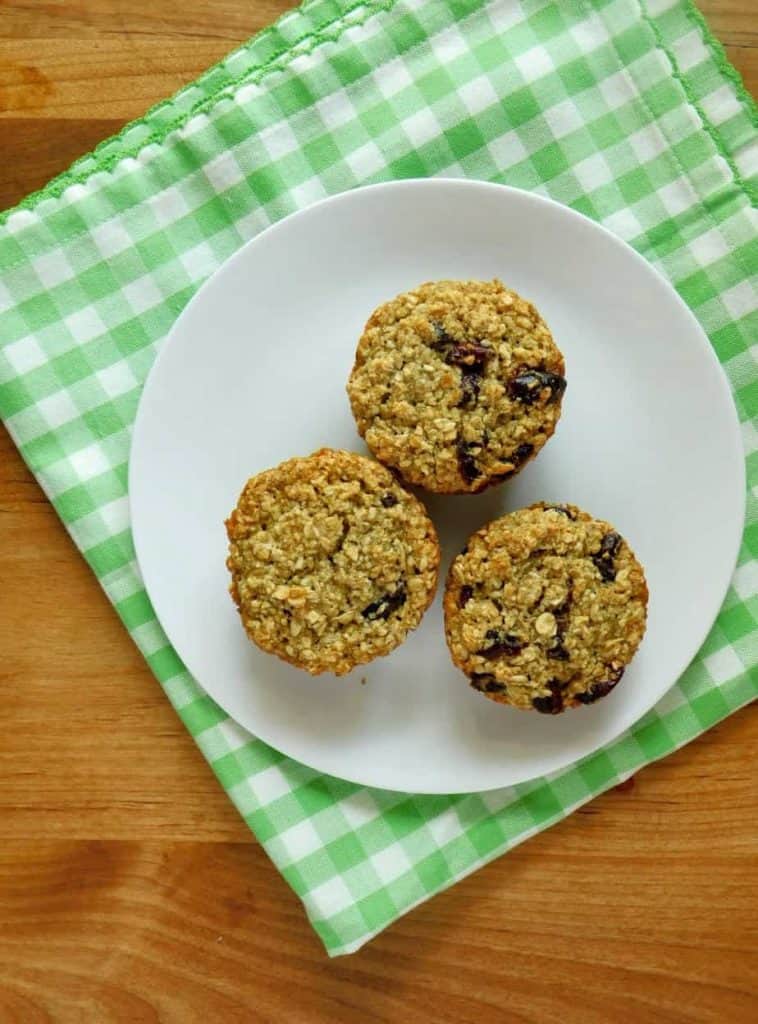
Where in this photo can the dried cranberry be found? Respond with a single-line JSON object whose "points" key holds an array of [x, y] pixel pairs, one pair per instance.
{"points": [[601, 689], [528, 386], [384, 606], [561, 612], [485, 682], [606, 570], [466, 461], [388, 500], [471, 382], [441, 338], [518, 457], [563, 509], [500, 644], [464, 595], [604, 556], [558, 652], [469, 353], [610, 544], [551, 705]]}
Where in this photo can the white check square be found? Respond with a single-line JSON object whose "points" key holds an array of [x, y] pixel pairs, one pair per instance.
{"points": [[723, 665], [168, 206], [224, 171], [89, 462], [117, 379], [741, 299], [25, 354], [745, 580], [593, 172], [366, 161], [142, 294], [85, 324], [390, 863], [328, 898], [278, 140], [478, 95], [57, 409], [52, 268], [534, 64], [563, 118]]}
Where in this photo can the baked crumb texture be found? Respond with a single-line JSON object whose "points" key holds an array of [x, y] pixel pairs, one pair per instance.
{"points": [[457, 385], [333, 562], [544, 608]]}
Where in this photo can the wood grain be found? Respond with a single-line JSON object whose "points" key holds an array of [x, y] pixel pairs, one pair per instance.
{"points": [[130, 891]]}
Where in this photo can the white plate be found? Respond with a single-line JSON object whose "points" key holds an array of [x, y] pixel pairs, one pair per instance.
{"points": [[254, 372]]}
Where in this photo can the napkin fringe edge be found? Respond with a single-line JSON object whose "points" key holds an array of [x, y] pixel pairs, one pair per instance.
{"points": [[100, 159]]}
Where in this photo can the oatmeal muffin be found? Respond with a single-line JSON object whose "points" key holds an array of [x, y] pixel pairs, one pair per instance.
{"points": [[333, 562], [456, 384], [544, 608]]}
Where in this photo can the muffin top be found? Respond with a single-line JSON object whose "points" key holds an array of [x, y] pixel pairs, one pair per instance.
{"points": [[544, 608], [456, 384], [332, 560]]}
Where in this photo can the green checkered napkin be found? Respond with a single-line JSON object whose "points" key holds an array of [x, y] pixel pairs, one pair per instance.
{"points": [[627, 112]]}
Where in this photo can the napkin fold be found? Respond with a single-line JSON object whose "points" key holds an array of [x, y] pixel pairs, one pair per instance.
{"points": [[626, 111]]}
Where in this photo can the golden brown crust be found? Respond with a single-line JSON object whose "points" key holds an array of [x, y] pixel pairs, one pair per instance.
{"points": [[545, 608], [333, 562], [456, 384]]}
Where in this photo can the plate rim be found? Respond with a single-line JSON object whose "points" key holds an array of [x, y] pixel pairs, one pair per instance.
{"points": [[736, 527]]}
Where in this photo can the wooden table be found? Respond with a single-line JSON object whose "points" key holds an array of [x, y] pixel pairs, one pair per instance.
{"points": [[130, 891]]}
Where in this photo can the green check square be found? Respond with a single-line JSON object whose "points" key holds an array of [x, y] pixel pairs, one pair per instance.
{"points": [[737, 622], [350, 65], [346, 852], [653, 739], [631, 44], [550, 161], [490, 53], [634, 185], [607, 131], [405, 32], [541, 803], [433, 871], [697, 289], [486, 836], [576, 76], [292, 95], [710, 708], [404, 818], [377, 909], [165, 664], [136, 610], [75, 504], [38, 312], [266, 183], [409, 166], [598, 771], [464, 139], [155, 250], [520, 107], [547, 23], [435, 85], [213, 216], [321, 153]]}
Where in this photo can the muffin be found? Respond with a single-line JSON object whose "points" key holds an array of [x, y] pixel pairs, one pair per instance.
{"points": [[544, 608], [333, 562], [456, 385]]}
